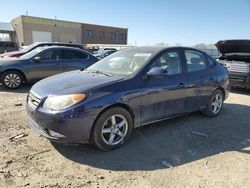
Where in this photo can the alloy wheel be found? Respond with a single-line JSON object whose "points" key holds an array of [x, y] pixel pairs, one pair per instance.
{"points": [[12, 80], [217, 103], [114, 129]]}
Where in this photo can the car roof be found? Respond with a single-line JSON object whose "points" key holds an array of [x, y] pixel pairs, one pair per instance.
{"points": [[156, 49], [57, 43], [60, 47]]}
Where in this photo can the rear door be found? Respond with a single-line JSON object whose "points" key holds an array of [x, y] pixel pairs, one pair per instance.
{"points": [[200, 79], [75, 59], [48, 65]]}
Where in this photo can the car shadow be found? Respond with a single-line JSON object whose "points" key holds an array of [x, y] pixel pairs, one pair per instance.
{"points": [[24, 89], [177, 141]]}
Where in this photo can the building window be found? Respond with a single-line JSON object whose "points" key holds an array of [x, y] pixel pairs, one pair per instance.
{"points": [[122, 36], [88, 33], [102, 34], [112, 35]]}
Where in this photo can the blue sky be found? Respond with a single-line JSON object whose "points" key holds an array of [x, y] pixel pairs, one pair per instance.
{"points": [[186, 22]]}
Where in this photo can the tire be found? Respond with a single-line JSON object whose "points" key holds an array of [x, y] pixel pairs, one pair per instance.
{"points": [[215, 104], [112, 128], [12, 79]]}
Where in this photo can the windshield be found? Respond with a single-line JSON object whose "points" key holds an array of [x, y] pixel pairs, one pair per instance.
{"points": [[123, 63], [32, 53], [28, 48]]}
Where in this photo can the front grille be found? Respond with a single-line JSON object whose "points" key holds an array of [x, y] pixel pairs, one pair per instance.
{"points": [[33, 101], [238, 78], [238, 67]]}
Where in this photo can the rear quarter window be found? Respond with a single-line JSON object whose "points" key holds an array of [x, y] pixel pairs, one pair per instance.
{"points": [[211, 62], [72, 54]]}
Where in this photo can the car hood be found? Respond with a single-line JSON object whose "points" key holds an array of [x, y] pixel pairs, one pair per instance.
{"points": [[10, 61], [71, 82], [233, 46], [9, 54]]}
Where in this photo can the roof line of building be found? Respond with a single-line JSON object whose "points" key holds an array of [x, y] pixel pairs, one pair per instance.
{"points": [[71, 22]]}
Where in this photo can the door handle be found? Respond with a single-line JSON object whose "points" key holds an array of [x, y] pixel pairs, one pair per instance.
{"points": [[212, 79], [181, 85]]}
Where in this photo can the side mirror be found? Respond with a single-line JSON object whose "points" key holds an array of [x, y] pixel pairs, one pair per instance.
{"points": [[156, 72], [37, 59]]}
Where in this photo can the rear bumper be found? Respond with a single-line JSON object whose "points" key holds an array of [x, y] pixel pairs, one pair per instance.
{"points": [[240, 80]]}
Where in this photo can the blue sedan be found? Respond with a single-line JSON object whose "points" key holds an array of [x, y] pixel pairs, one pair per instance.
{"points": [[41, 63], [126, 90]]}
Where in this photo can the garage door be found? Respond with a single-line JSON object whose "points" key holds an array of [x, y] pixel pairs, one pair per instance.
{"points": [[41, 36]]}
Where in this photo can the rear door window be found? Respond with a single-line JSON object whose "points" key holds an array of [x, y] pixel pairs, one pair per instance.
{"points": [[73, 54], [195, 61]]}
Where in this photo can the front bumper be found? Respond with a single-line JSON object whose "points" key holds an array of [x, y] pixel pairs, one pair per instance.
{"points": [[240, 80], [71, 126]]}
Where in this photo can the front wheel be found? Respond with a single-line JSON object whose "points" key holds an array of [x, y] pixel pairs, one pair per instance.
{"points": [[215, 104], [112, 128], [12, 79]]}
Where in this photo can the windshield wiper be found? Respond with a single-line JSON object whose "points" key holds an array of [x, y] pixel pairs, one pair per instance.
{"points": [[99, 72]]}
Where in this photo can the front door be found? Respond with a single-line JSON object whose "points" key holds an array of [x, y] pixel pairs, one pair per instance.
{"points": [[164, 96], [49, 64]]}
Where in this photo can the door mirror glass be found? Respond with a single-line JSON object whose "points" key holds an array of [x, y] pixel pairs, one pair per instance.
{"points": [[37, 59], [157, 71]]}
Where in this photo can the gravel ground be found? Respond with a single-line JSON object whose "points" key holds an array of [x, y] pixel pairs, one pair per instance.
{"points": [[166, 154]]}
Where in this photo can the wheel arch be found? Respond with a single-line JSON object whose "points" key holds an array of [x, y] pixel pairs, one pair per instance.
{"points": [[222, 90], [121, 105], [17, 70]]}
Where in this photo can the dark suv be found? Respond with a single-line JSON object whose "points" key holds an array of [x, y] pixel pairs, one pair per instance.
{"points": [[41, 63], [7, 46]]}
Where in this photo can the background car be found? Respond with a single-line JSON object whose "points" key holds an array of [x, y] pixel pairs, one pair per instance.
{"points": [[37, 45], [41, 63], [235, 55], [7, 46], [103, 53], [128, 89]]}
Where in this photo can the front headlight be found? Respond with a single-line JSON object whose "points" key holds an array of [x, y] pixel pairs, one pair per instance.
{"points": [[62, 102]]}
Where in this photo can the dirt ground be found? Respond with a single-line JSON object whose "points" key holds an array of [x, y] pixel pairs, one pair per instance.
{"points": [[166, 154]]}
